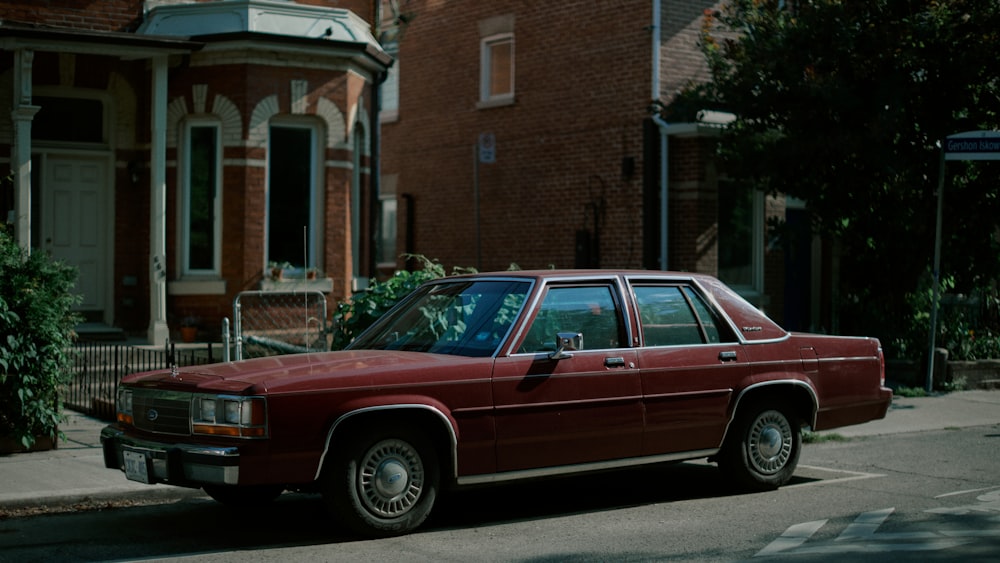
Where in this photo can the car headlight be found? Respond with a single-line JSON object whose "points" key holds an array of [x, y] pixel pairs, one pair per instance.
{"points": [[226, 415], [123, 408]]}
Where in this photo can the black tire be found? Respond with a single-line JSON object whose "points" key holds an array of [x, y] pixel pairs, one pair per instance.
{"points": [[383, 482], [762, 448], [253, 496]]}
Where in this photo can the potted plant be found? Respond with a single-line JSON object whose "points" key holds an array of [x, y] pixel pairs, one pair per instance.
{"points": [[312, 273], [189, 328], [275, 270]]}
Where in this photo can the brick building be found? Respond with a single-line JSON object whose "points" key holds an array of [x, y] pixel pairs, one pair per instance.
{"points": [[172, 149], [524, 132]]}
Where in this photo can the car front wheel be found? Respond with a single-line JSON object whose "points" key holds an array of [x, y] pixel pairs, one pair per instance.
{"points": [[761, 449], [383, 483]]}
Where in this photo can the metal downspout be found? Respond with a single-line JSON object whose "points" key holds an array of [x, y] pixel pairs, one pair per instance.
{"points": [[664, 139]]}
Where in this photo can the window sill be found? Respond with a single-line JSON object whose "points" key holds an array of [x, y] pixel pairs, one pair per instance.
{"points": [[388, 116], [322, 285], [196, 287], [499, 101]]}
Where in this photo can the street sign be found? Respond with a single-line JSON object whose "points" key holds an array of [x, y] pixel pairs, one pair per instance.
{"points": [[973, 145], [487, 148]]}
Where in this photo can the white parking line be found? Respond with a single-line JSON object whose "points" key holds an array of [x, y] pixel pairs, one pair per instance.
{"points": [[851, 476]]}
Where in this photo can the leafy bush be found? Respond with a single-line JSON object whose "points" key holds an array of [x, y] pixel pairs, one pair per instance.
{"points": [[965, 334], [36, 336], [360, 311]]}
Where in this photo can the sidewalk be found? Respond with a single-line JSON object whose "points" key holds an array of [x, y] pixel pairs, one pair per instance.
{"points": [[75, 473]]}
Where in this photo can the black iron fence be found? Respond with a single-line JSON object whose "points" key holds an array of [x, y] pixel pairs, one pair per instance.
{"points": [[99, 366]]}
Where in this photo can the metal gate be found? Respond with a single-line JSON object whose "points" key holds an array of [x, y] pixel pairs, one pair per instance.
{"points": [[271, 323]]}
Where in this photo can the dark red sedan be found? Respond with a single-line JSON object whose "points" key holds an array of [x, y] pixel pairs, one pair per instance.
{"points": [[495, 377]]}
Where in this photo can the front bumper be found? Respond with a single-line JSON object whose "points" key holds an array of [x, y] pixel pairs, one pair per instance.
{"points": [[189, 465]]}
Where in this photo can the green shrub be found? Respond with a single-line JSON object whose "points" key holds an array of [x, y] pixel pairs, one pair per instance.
{"points": [[36, 336], [360, 311], [965, 335]]}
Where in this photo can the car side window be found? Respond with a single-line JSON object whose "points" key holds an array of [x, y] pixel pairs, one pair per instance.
{"points": [[712, 333], [674, 316], [590, 311]]}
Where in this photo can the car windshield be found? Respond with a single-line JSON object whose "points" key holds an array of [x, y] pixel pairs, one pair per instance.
{"points": [[461, 318]]}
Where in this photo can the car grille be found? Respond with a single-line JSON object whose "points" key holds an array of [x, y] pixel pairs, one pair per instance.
{"points": [[165, 412]]}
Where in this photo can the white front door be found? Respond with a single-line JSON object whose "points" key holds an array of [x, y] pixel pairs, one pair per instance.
{"points": [[74, 226]]}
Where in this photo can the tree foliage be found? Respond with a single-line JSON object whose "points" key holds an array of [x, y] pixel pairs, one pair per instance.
{"points": [[843, 105]]}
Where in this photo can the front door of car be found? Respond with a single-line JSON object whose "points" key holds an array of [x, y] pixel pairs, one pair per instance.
{"points": [[689, 362], [580, 408]]}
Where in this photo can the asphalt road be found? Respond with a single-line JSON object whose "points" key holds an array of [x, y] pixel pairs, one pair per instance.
{"points": [[929, 496]]}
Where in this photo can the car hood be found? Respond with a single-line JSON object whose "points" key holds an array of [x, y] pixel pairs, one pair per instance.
{"points": [[300, 371]]}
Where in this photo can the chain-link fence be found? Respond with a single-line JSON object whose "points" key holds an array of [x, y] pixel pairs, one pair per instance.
{"points": [[270, 323]]}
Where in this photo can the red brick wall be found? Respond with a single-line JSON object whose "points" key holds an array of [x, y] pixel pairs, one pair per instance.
{"points": [[582, 90], [582, 86]]}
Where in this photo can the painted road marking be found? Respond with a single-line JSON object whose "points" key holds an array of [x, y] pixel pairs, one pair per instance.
{"points": [[862, 536]]}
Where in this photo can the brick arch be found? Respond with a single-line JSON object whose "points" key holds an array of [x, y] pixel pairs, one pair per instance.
{"points": [[176, 110], [232, 125], [259, 119], [359, 116], [222, 107], [336, 126]]}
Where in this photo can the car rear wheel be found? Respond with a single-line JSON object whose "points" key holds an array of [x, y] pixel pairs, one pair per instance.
{"points": [[244, 497], [383, 483], [762, 448]]}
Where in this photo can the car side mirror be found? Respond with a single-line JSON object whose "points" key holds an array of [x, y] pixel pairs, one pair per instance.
{"points": [[566, 341]]}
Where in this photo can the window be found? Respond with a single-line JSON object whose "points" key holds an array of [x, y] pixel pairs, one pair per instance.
{"points": [[201, 203], [72, 120], [497, 78], [292, 222], [387, 231], [674, 316], [741, 216], [589, 311], [458, 318]]}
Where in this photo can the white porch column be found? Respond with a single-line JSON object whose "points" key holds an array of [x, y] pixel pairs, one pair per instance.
{"points": [[158, 330], [20, 152]]}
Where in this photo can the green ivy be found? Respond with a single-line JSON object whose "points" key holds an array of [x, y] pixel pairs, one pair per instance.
{"points": [[360, 311], [36, 336]]}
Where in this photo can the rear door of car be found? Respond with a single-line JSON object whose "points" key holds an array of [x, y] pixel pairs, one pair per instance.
{"points": [[583, 408], [689, 363]]}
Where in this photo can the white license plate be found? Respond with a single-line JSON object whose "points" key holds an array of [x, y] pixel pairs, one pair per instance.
{"points": [[136, 466]]}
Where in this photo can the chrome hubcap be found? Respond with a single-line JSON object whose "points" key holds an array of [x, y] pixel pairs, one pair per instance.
{"points": [[769, 443], [391, 478]]}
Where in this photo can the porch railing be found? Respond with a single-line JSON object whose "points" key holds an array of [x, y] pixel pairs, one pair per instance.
{"points": [[267, 323], [99, 366]]}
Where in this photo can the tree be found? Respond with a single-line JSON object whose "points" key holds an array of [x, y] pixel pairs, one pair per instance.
{"points": [[843, 104]]}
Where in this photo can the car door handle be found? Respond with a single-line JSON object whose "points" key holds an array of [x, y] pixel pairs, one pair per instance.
{"points": [[614, 362], [727, 356]]}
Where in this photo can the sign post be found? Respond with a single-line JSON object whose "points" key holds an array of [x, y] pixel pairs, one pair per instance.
{"points": [[971, 145], [485, 152]]}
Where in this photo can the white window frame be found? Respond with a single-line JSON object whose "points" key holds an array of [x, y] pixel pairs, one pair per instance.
{"points": [[487, 44], [316, 201], [185, 203]]}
